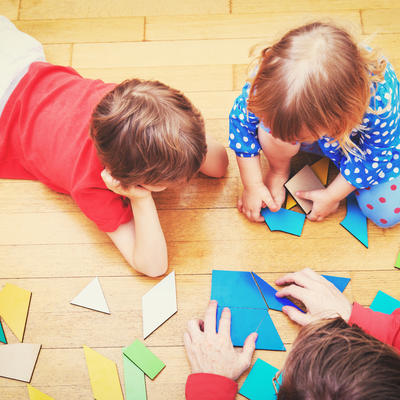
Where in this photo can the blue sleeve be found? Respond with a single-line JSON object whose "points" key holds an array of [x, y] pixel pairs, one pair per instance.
{"points": [[243, 126], [378, 138]]}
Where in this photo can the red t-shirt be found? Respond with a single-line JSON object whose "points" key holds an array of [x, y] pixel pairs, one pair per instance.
{"points": [[45, 136]]}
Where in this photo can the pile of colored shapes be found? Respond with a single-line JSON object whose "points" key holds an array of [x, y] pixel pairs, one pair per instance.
{"points": [[284, 220]]}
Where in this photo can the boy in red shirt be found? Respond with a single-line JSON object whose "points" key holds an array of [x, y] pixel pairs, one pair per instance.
{"points": [[100, 143]]}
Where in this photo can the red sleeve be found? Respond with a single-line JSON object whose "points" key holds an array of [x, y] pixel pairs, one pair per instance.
{"points": [[384, 327], [210, 387]]}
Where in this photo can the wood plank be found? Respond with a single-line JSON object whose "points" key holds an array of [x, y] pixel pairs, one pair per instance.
{"points": [[186, 78], [259, 6], [9, 8], [47, 9], [59, 54], [380, 21], [85, 30], [150, 54], [269, 26]]}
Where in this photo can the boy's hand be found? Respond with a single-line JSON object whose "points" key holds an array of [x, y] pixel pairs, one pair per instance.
{"points": [[255, 197], [132, 192], [321, 298], [213, 353], [323, 203]]}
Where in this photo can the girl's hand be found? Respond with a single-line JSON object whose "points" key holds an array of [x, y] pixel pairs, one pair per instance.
{"points": [[323, 203], [254, 197], [132, 192], [321, 298]]}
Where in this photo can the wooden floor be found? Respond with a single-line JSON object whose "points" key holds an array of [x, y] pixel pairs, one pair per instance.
{"points": [[50, 248]]}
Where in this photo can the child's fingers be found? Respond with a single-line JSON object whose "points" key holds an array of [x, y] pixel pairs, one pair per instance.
{"points": [[306, 195], [297, 316]]}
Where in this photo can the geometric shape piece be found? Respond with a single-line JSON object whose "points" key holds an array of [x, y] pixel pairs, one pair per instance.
{"points": [[247, 320], [284, 220], [321, 169], [290, 202], [384, 303], [397, 265], [135, 385], [159, 304], [355, 221], [35, 394], [92, 297], [273, 302], [143, 358], [14, 306], [235, 289], [305, 180], [17, 361], [338, 281], [103, 375], [2, 335], [258, 384]]}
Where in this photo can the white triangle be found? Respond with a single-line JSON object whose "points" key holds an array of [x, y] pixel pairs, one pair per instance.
{"points": [[158, 304], [92, 297], [17, 361]]}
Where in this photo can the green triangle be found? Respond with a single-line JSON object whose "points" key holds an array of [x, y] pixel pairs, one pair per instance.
{"points": [[397, 265], [2, 335]]}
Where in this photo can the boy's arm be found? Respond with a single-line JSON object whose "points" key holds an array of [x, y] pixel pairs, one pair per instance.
{"points": [[141, 241], [216, 160]]}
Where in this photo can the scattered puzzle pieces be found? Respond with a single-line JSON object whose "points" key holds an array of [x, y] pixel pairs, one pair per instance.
{"points": [[35, 394], [321, 169], [159, 304], [258, 384], [135, 385], [14, 306], [355, 221], [17, 361], [290, 202], [92, 297], [103, 375], [284, 220], [397, 265], [384, 303], [304, 180], [2, 335], [143, 358], [340, 282]]}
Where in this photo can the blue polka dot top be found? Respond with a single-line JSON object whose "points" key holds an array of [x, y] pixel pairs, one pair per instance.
{"points": [[377, 138]]}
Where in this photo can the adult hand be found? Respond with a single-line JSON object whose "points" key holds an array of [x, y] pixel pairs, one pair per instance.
{"points": [[255, 197], [132, 192], [323, 204], [321, 298], [213, 353]]}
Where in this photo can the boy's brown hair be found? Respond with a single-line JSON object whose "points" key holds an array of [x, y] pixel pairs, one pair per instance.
{"points": [[331, 360], [148, 133], [315, 79]]}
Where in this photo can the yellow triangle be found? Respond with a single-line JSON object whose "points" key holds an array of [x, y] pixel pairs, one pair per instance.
{"points": [[14, 306], [321, 168], [103, 375], [290, 202], [35, 394]]}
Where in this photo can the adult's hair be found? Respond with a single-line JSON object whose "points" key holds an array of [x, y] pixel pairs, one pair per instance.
{"points": [[331, 360], [317, 80], [148, 133]]}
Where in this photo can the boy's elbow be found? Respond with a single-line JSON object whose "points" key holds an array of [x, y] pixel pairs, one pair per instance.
{"points": [[150, 268]]}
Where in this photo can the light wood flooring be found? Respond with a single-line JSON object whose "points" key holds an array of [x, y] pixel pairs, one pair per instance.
{"points": [[50, 248]]}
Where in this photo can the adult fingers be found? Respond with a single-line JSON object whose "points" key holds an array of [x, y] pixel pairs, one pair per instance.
{"points": [[300, 278], [295, 291], [189, 351], [224, 328], [193, 328], [248, 348], [297, 316], [210, 318]]}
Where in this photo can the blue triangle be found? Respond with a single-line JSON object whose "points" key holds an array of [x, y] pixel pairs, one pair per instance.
{"points": [[235, 289], [384, 303], [273, 302], [338, 281], [2, 335], [247, 320]]}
